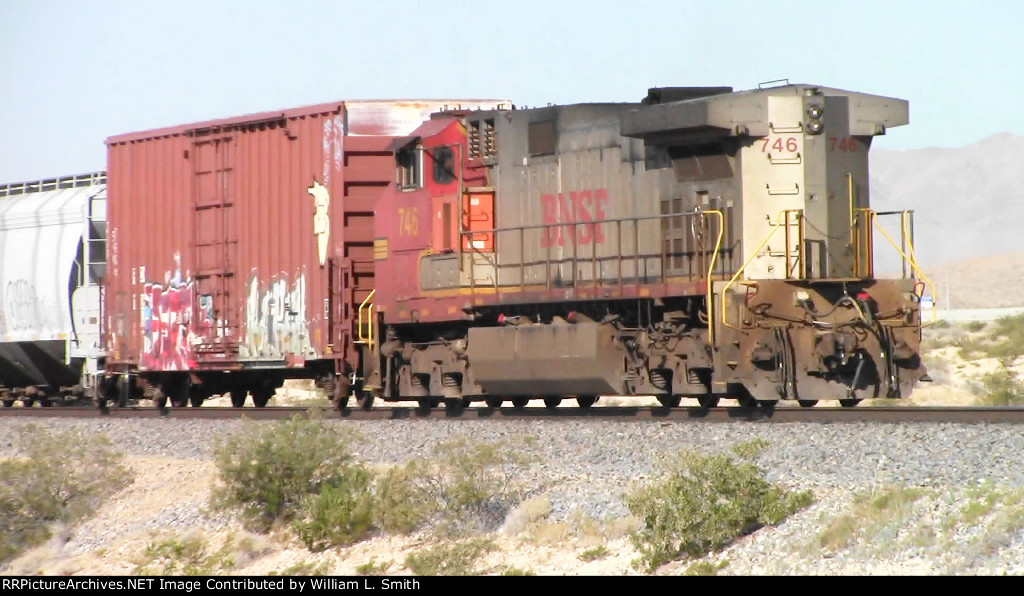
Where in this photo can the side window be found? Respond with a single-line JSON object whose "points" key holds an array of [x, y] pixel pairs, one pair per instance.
{"points": [[408, 167], [444, 165]]}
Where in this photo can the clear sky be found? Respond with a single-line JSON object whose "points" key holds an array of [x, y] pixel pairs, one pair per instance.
{"points": [[73, 72]]}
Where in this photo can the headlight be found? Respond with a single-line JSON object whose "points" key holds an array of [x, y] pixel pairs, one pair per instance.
{"points": [[815, 111], [815, 127]]}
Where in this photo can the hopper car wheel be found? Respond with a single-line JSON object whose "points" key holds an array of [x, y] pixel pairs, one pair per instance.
{"points": [[766, 404], [669, 401], [708, 401], [494, 402], [45, 401], [260, 397], [160, 401], [454, 405], [807, 403], [520, 402], [195, 400], [26, 402], [341, 402], [552, 402], [586, 401], [366, 400], [849, 403], [428, 403], [238, 397], [8, 402]]}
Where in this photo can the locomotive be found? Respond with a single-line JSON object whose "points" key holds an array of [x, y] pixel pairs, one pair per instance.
{"points": [[701, 243]]}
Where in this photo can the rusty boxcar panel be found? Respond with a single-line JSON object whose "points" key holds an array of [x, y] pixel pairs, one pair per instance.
{"points": [[248, 241]]}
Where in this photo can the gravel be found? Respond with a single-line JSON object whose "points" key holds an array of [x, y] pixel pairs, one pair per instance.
{"points": [[585, 468]]}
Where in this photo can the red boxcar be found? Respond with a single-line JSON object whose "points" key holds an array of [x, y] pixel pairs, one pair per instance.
{"points": [[240, 249]]}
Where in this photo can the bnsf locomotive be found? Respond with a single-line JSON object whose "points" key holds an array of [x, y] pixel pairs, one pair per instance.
{"points": [[701, 243]]}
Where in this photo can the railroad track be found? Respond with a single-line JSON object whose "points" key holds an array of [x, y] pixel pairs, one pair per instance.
{"points": [[960, 415]]}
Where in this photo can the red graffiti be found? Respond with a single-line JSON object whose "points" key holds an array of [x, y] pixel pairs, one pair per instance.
{"points": [[166, 315], [577, 209]]}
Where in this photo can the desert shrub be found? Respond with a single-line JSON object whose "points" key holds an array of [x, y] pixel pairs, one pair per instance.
{"points": [[463, 487], [400, 504], [975, 326], [998, 388], [456, 558], [304, 569], [275, 471], [873, 511], [701, 503], [592, 554], [1004, 341], [705, 568], [189, 555], [63, 477], [372, 567], [340, 514]]}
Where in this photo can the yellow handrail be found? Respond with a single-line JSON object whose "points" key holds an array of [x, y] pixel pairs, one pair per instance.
{"points": [[368, 306], [781, 220], [714, 257], [910, 260]]}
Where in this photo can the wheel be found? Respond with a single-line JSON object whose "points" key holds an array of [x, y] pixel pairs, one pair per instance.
{"points": [[26, 402], [45, 402], [238, 397], [494, 402], [340, 402], [260, 397], [766, 404], [160, 401], [586, 401], [195, 400], [807, 403], [520, 402], [669, 401], [552, 402], [454, 405], [8, 402], [849, 403], [746, 402], [708, 401], [365, 400]]}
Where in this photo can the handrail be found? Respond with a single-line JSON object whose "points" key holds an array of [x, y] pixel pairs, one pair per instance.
{"points": [[781, 220], [548, 262], [910, 259], [368, 306], [709, 299]]}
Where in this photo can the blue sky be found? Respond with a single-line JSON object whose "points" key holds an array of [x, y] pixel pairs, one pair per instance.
{"points": [[73, 73]]}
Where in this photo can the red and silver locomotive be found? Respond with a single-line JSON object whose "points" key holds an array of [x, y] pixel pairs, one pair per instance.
{"points": [[699, 244]]}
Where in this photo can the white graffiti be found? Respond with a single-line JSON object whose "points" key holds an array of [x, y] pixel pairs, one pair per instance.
{"points": [[275, 319], [23, 309], [321, 218]]}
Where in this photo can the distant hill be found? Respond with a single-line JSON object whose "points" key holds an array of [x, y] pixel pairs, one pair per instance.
{"points": [[995, 281], [968, 201]]}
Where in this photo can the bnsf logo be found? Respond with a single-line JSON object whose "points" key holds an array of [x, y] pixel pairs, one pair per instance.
{"points": [[579, 209]]}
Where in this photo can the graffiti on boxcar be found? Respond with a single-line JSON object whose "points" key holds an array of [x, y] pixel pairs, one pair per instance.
{"points": [[334, 146], [321, 219], [577, 209], [275, 319], [25, 310], [166, 311]]}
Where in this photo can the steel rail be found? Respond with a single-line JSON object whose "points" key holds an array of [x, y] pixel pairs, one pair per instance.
{"points": [[880, 415]]}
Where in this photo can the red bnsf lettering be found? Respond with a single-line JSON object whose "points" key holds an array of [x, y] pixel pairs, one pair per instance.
{"points": [[578, 210]]}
